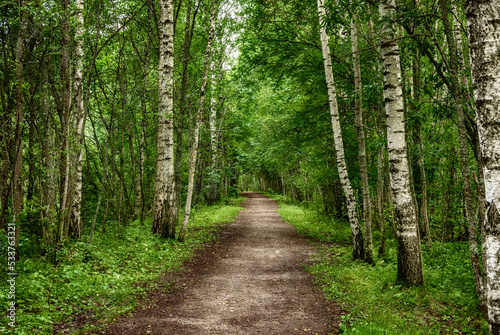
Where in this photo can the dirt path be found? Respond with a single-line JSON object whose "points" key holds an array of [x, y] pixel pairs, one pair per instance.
{"points": [[250, 282]]}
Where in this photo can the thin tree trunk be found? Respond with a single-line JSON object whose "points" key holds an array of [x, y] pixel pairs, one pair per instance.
{"points": [[188, 36], [64, 120], [357, 236], [480, 180], [214, 176], [95, 218], [381, 166], [103, 230], [139, 197], [165, 213], [410, 266], [358, 109], [50, 164], [418, 141], [194, 148], [381, 199], [484, 32], [31, 132], [75, 219], [17, 200], [407, 140], [464, 152]]}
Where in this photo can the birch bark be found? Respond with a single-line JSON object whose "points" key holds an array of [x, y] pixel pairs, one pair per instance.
{"points": [[410, 267], [188, 36], [357, 236], [75, 218], [484, 35], [164, 213], [64, 121], [194, 148], [360, 129]]}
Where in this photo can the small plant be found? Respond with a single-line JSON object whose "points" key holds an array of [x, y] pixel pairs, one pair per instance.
{"points": [[375, 303], [104, 279]]}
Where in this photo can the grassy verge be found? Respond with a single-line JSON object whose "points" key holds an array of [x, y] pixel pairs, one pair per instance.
{"points": [[374, 303], [100, 281]]}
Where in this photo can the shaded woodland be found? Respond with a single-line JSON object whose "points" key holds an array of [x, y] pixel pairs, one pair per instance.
{"points": [[381, 114]]}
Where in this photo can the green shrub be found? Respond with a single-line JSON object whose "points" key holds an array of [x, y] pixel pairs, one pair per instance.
{"points": [[104, 279], [374, 304]]}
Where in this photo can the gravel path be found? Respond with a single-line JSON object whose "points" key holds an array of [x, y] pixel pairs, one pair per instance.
{"points": [[251, 282]]}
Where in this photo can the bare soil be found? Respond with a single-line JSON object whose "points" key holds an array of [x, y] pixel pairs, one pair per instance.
{"points": [[252, 281]]}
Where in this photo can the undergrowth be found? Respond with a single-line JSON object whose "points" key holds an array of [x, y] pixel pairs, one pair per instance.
{"points": [[373, 302], [102, 280]]}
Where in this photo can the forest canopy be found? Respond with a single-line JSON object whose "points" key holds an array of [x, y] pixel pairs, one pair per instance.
{"points": [[378, 113]]}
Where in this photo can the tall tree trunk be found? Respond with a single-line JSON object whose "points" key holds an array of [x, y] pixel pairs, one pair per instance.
{"points": [[194, 148], [75, 218], [464, 152], [139, 197], [357, 236], [381, 165], [410, 265], [484, 32], [188, 36], [405, 120], [164, 213], [64, 120], [17, 200], [381, 198], [31, 132], [50, 163], [425, 227], [476, 146], [358, 109], [213, 191]]}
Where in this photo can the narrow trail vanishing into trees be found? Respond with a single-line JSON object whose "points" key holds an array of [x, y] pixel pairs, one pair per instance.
{"points": [[251, 282]]}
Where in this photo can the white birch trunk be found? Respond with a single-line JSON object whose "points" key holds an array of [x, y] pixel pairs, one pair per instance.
{"points": [[357, 236], [164, 215], [64, 157], [484, 35], [213, 116], [360, 129], [194, 148], [75, 218], [410, 267]]}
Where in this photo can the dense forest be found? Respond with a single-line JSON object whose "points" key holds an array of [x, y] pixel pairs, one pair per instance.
{"points": [[121, 116]]}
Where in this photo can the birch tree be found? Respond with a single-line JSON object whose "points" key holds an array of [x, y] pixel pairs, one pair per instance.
{"points": [[357, 236], [194, 147], [78, 124], [410, 266], [188, 37], [64, 113], [164, 213], [484, 36], [360, 129]]}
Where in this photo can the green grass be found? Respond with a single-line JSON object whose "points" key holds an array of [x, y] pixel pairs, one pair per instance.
{"points": [[105, 279], [374, 304]]}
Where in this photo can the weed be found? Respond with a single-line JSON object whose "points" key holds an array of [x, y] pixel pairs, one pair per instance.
{"points": [[100, 281], [376, 305]]}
